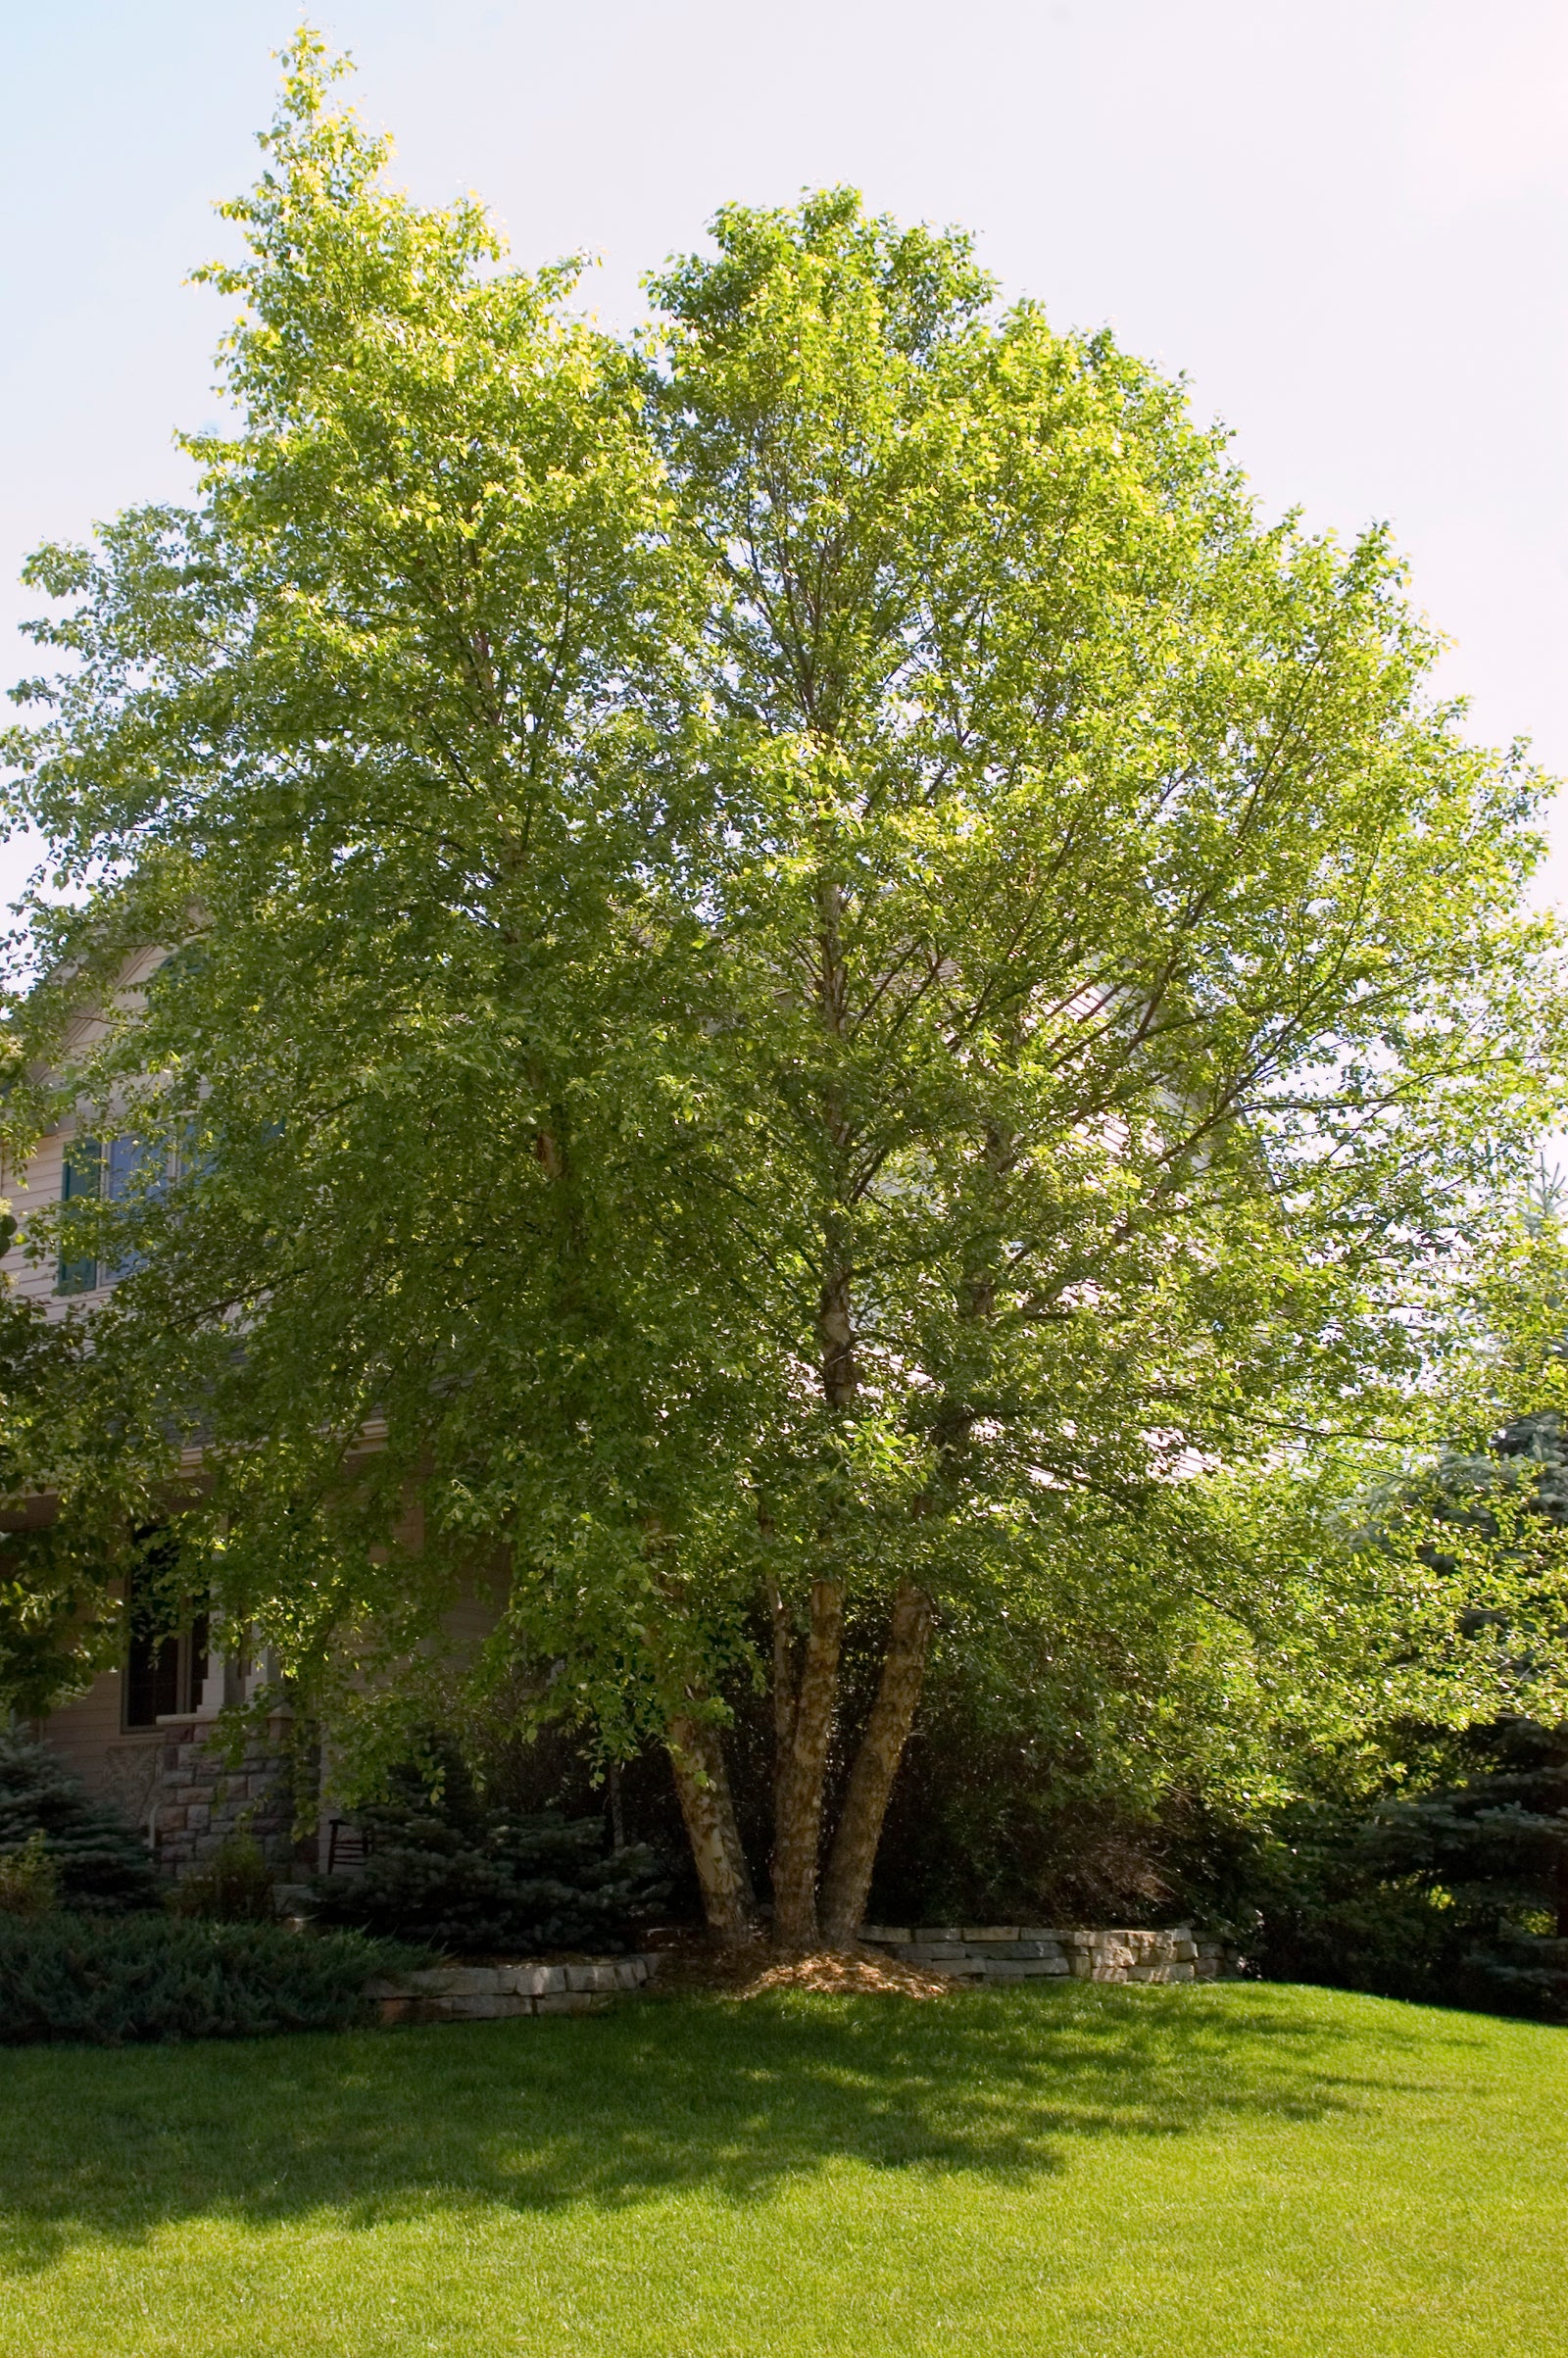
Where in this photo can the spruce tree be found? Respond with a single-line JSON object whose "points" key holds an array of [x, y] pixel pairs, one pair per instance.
{"points": [[102, 1866], [448, 1868]]}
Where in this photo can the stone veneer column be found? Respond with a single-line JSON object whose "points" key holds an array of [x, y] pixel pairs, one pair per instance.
{"points": [[203, 1795]]}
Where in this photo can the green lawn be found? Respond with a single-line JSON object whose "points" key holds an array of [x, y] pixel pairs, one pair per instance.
{"points": [[1225, 2173]]}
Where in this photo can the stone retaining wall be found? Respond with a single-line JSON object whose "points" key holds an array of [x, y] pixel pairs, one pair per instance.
{"points": [[494, 1993], [1022, 1953], [991, 1952]]}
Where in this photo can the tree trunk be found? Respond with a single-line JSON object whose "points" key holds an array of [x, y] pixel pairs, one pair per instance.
{"points": [[702, 1785], [853, 1854], [783, 1686], [804, 1706], [802, 1772]]}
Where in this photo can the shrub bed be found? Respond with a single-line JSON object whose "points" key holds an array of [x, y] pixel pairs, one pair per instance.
{"points": [[113, 1981]]}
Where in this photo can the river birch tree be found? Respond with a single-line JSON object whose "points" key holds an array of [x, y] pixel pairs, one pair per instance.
{"points": [[817, 976]]}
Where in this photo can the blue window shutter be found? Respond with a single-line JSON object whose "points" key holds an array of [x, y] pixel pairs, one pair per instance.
{"points": [[80, 1177]]}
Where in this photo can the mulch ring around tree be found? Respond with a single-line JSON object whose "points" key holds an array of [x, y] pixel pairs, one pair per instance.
{"points": [[690, 1959]]}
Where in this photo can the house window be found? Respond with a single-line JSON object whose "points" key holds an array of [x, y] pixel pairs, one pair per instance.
{"points": [[132, 1163], [91, 1170], [167, 1655]]}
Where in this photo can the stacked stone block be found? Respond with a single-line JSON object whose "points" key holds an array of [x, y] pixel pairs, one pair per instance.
{"points": [[495, 1992], [1024, 1953], [201, 1797]]}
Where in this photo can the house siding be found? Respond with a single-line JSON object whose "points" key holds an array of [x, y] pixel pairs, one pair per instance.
{"points": [[28, 1193], [84, 1731]]}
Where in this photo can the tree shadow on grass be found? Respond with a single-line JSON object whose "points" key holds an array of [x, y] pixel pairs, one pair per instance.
{"points": [[663, 2095]]}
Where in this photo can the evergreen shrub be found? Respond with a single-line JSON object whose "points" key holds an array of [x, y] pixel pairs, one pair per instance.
{"points": [[101, 1865], [1456, 1892], [112, 1983]]}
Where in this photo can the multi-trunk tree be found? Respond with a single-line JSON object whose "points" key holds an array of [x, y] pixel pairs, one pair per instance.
{"points": [[819, 985]]}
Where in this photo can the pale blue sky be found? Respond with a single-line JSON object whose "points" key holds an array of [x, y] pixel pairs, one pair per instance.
{"points": [[1346, 220]]}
